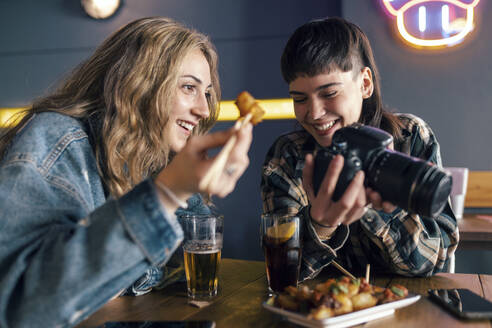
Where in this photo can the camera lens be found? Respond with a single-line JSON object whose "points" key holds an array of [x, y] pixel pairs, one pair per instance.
{"points": [[409, 182], [431, 192]]}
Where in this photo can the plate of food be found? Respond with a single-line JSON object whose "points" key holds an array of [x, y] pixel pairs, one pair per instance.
{"points": [[338, 303]]}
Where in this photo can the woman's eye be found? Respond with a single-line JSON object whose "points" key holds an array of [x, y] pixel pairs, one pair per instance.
{"points": [[329, 94], [189, 88], [299, 100]]}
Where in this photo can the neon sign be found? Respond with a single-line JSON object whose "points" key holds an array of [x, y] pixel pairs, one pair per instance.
{"points": [[433, 23]]}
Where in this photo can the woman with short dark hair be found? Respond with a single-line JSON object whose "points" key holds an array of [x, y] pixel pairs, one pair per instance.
{"points": [[334, 82]]}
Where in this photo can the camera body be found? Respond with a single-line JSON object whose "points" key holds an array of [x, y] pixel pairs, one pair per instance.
{"points": [[358, 144], [408, 182]]}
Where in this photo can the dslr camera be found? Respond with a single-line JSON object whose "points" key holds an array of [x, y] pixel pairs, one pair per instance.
{"points": [[408, 182]]}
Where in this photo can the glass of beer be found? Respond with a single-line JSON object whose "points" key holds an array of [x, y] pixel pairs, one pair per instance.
{"points": [[202, 248], [282, 246]]}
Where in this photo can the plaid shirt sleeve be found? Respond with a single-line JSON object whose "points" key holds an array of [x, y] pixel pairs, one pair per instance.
{"points": [[282, 193], [396, 243], [410, 245]]}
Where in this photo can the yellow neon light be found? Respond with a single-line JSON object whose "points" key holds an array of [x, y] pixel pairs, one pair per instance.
{"points": [[467, 28], [276, 109], [6, 114]]}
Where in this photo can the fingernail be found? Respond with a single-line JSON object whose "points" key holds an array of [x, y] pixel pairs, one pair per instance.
{"points": [[361, 175], [338, 158]]}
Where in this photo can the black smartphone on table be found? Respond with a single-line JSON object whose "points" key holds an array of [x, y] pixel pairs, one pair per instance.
{"points": [[159, 324], [463, 303]]}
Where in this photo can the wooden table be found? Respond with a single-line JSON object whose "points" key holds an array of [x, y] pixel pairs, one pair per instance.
{"points": [[475, 232], [243, 289]]}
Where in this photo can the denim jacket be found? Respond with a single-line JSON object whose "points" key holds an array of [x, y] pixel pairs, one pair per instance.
{"points": [[65, 248]]}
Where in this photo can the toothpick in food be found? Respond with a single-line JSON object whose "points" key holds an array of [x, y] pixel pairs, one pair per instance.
{"points": [[249, 110]]}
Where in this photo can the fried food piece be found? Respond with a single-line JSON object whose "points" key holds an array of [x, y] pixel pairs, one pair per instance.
{"points": [[350, 286], [291, 290], [395, 292], [244, 101], [246, 104], [337, 296], [344, 306], [287, 302], [363, 301], [400, 290], [325, 287], [321, 312], [317, 298], [301, 294]]}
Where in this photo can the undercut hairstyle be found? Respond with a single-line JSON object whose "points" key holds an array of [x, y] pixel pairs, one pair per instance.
{"points": [[327, 44], [125, 90]]}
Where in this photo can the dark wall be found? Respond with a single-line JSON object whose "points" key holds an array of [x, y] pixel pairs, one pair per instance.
{"points": [[40, 41], [450, 89]]}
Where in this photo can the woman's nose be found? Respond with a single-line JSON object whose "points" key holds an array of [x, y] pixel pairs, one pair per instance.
{"points": [[201, 107], [315, 109]]}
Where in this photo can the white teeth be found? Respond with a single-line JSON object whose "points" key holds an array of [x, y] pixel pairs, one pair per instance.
{"points": [[187, 126], [323, 127]]}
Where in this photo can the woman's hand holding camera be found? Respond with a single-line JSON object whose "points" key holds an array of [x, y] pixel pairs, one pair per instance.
{"points": [[350, 207], [378, 203], [324, 210]]}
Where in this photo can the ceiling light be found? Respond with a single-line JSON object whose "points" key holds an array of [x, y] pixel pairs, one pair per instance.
{"points": [[100, 9]]}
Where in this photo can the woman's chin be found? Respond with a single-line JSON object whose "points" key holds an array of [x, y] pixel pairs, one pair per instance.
{"points": [[177, 147]]}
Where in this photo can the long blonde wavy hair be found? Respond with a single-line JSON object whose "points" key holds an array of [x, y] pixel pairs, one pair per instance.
{"points": [[126, 87]]}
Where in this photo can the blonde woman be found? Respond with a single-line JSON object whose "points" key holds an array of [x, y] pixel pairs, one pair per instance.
{"points": [[91, 177]]}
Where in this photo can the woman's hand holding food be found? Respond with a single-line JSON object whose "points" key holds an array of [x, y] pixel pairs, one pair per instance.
{"points": [[183, 175]]}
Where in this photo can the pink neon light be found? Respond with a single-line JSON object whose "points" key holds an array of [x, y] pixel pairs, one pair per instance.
{"points": [[448, 41]]}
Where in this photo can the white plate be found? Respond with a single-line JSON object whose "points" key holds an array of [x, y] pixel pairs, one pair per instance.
{"points": [[344, 320]]}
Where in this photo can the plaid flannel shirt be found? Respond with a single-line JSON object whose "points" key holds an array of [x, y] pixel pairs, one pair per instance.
{"points": [[399, 242]]}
